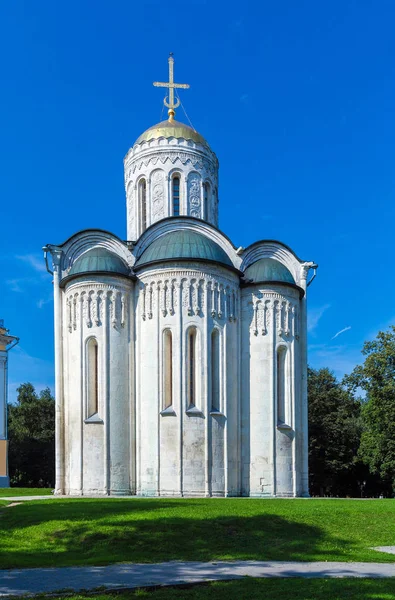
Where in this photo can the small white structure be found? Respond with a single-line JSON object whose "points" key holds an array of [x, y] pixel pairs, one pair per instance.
{"points": [[180, 359], [7, 342]]}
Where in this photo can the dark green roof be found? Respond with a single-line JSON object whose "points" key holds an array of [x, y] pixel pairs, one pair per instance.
{"points": [[268, 269], [99, 260], [183, 244]]}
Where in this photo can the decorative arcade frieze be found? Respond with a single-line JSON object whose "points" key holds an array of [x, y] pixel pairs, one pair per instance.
{"points": [[163, 154], [192, 293], [90, 305], [272, 312]]}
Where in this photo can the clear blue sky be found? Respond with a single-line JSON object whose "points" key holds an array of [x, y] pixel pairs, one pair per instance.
{"points": [[296, 98]]}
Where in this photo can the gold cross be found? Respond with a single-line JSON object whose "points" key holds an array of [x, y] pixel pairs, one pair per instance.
{"points": [[169, 100]]}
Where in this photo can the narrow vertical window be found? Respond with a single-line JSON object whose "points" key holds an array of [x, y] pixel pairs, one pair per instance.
{"points": [[92, 372], [215, 370], [206, 200], [281, 385], [175, 193], [143, 203], [191, 367], [167, 369]]}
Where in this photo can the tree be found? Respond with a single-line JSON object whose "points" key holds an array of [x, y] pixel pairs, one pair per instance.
{"points": [[334, 436], [376, 377], [31, 433]]}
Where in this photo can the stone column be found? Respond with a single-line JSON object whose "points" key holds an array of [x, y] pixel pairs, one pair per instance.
{"points": [[59, 409], [304, 467]]}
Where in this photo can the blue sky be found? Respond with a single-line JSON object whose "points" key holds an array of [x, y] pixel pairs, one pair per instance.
{"points": [[296, 98]]}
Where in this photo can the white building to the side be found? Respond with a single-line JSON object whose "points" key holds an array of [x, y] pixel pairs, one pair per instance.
{"points": [[180, 359], [7, 342]]}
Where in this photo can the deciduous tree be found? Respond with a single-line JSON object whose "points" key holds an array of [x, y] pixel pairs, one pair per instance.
{"points": [[334, 436], [376, 377], [31, 433]]}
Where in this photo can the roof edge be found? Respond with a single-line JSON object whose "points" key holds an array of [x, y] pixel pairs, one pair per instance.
{"points": [[268, 283], [138, 268], [90, 229], [172, 218], [68, 278], [271, 241]]}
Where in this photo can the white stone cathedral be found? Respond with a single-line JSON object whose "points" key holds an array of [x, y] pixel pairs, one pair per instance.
{"points": [[180, 359]]}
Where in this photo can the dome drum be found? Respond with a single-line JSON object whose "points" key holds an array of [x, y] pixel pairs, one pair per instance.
{"points": [[170, 171]]}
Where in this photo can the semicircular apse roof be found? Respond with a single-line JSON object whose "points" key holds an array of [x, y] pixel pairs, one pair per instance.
{"points": [[99, 260], [183, 244], [268, 269]]}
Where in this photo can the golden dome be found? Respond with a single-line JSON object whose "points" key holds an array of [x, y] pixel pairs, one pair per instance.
{"points": [[171, 128]]}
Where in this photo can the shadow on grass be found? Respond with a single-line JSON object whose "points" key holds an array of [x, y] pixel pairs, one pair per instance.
{"points": [[246, 589], [87, 532]]}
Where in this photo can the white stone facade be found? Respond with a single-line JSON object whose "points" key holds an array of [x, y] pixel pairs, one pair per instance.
{"points": [[177, 374]]}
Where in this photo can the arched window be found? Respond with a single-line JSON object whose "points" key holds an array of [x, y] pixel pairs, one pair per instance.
{"points": [[206, 190], [175, 195], [167, 369], [191, 367], [281, 385], [143, 203], [92, 378], [215, 370]]}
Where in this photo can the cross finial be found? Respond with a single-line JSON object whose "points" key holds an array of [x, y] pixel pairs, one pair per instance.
{"points": [[169, 100]]}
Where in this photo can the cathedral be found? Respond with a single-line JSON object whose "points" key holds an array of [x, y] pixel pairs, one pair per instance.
{"points": [[180, 358]]}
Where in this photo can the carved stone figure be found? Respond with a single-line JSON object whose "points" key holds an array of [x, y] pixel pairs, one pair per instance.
{"points": [[194, 195]]}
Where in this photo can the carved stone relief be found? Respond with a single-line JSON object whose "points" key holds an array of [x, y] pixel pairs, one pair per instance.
{"points": [[221, 298], [89, 306], [158, 193], [271, 310], [163, 155], [194, 195]]}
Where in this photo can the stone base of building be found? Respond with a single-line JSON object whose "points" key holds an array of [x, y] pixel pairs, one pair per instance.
{"points": [[129, 494], [4, 481]]}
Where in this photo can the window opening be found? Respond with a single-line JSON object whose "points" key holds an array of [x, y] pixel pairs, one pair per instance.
{"points": [[191, 357], [167, 369], [176, 196], [215, 370], [93, 395], [281, 358], [143, 203], [206, 200]]}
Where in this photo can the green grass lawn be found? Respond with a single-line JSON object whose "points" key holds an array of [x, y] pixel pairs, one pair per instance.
{"points": [[63, 532], [268, 589], [24, 492]]}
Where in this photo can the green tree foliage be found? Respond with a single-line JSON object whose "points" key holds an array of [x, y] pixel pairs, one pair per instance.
{"points": [[376, 377], [334, 437], [31, 434]]}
